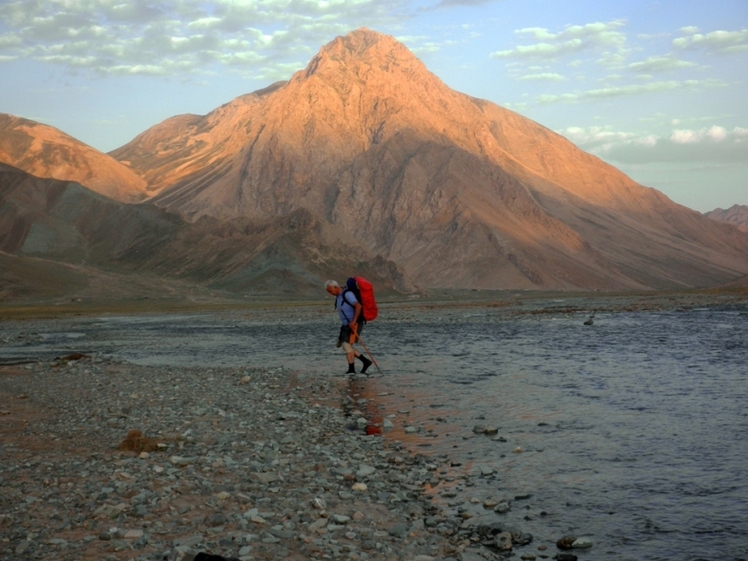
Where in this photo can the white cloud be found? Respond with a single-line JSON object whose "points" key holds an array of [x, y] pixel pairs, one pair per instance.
{"points": [[573, 39], [629, 91], [721, 42], [711, 144], [717, 133], [660, 64], [684, 136], [181, 36], [543, 77]]}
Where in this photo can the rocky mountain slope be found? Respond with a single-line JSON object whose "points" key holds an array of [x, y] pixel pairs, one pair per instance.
{"points": [[737, 215], [458, 191], [48, 225], [45, 151]]}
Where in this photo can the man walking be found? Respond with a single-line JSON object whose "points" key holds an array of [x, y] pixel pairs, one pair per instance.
{"points": [[351, 313]]}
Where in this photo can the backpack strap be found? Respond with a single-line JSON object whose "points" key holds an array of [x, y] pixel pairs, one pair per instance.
{"points": [[345, 291], [345, 299]]}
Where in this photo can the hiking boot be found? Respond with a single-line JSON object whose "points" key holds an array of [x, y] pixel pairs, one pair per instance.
{"points": [[366, 362], [351, 368]]}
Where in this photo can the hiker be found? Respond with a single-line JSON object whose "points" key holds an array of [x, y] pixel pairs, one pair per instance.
{"points": [[351, 313]]}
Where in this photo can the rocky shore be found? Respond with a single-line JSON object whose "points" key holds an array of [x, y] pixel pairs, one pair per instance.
{"points": [[238, 462]]}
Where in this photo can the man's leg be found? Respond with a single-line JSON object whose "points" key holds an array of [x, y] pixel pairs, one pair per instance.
{"points": [[350, 353], [357, 355]]}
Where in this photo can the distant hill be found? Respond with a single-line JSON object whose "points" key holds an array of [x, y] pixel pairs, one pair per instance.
{"points": [[737, 215], [62, 230], [44, 151]]}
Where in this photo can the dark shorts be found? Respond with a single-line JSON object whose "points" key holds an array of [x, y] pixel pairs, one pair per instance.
{"points": [[346, 333]]}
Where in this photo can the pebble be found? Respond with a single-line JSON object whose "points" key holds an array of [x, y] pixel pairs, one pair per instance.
{"points": [[582, 543]]}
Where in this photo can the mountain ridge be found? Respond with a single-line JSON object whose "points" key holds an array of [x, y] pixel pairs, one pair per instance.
{"points": [[45, 151], [737, 215]]}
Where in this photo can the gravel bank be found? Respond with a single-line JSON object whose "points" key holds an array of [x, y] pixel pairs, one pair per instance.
{"points": [[238, 462]]}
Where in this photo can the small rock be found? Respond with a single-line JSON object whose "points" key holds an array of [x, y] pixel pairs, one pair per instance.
{"points": [[192, 541], [182, 461], [399, 530], [565, 542], [133, 534], [503, 541], [502, 508], [318, 524], [582, 543], [23, 547], [365, 470]]}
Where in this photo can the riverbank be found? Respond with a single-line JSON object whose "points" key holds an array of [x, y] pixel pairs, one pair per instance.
{"points": [[239, 462], [517, 302]]}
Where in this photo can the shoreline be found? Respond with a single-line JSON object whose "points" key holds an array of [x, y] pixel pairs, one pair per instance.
{"points": [[246, 463], [519, 302]]}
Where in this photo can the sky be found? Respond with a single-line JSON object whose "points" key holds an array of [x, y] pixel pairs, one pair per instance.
{"points": [[656, 88]]}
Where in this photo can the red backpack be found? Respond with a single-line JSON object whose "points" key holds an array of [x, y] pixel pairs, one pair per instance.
{"points": [[364, 292]]}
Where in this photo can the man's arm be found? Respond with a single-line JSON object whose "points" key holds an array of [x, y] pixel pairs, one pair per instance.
{"points": [[357, 310]]}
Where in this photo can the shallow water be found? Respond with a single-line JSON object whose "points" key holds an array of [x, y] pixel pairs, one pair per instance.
{"points": [[633, 431]]}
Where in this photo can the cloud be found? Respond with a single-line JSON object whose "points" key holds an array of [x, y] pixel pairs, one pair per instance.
{"points": [[714, 133], [711, 144], [720, 42], [629, 90], [543, 77], [573, 39], [173, 37], [660, 64]]}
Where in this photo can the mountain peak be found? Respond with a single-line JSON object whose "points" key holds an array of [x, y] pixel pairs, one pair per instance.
{"points": [[361, 47], [358, 41]]}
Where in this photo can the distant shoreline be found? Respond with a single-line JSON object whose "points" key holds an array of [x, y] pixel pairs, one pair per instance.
{"points": [[518, 301]]}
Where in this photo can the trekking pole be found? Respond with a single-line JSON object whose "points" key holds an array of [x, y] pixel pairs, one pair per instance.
{"points": [[368, 352]]}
